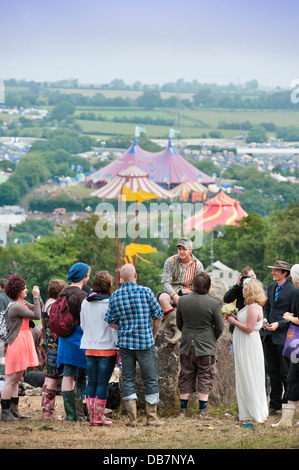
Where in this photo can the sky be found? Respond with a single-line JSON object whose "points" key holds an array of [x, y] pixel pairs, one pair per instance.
{"points": [[151, 41]]}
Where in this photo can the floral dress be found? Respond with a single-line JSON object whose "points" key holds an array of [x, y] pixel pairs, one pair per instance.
{"points": [[49, 346]]}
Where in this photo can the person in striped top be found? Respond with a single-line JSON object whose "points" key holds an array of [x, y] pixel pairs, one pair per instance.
{"points": [[178, 275]]}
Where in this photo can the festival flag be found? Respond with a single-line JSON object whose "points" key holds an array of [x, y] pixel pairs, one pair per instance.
{"points": [[133, 249], [129, 195]]}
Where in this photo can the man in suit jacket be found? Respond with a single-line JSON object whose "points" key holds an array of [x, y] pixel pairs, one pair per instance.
{"points": [[280, 297]]}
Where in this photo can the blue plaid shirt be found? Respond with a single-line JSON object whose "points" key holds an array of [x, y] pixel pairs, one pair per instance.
{"points": [[132, 307]]}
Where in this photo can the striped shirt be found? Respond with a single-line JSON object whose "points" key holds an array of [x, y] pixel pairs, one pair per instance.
{"points": [[176, 277], [133, 307]]}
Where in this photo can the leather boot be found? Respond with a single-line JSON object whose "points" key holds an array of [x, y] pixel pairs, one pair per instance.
{"points": [[69, 402], [80, 408], [14, 408], [99, 411], [131, 409], [286, 420], [151, 415], [5, 411], [171, 317]]}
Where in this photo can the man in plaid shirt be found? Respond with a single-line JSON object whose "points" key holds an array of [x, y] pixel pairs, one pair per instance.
{"points": [[131, 311]]}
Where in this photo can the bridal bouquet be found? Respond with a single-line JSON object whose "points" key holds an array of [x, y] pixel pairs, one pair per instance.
{"points": [[229, 309]]}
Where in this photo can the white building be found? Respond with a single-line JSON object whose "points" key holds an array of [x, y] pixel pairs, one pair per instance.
{"points": [[219, 270]]}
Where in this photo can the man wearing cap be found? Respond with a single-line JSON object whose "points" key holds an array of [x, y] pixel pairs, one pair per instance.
{"points": [[280, 298], [178, 275], [70, 358]]}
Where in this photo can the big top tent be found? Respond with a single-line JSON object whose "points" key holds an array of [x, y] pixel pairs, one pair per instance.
{"points": [[169, 167], [134, 178], [135, 155], [220, 210], [183, 190]]}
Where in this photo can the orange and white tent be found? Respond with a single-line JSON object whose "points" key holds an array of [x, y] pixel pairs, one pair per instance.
{"points": [[220, 210], [183, 190]]}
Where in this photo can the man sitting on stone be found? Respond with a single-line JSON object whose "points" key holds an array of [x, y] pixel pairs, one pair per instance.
{"points": [[178, 275]]}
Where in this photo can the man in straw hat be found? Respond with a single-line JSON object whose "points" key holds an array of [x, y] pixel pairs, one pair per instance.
{"points": [[280, 297]]}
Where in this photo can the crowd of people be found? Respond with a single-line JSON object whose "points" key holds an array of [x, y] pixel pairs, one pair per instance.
{"points": [[120, 327]]}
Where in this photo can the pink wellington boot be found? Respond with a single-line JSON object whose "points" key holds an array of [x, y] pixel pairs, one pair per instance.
{"points": [[99, 410], [91, 410]]}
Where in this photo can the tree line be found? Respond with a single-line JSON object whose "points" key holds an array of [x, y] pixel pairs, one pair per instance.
{"points": [[207, 96], [255, 241], [46, 159]]}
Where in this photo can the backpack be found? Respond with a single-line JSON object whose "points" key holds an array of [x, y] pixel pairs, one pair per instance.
{"points": [[61, 320], [4, 323]]}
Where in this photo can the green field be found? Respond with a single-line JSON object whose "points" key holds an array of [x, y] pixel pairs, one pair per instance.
{"points": [[193, 123]]}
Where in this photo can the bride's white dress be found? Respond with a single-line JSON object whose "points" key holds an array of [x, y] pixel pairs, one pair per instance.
{"points": [[250, 371]]}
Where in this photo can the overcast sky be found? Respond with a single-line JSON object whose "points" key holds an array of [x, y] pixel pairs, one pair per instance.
{"points": [[152, 41]]}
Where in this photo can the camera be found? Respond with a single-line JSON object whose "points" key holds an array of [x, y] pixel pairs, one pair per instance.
{"points": [[243, 279]]}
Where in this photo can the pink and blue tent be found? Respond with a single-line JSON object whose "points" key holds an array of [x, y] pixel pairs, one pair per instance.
{"points": [[135, 155], [170, 168]]}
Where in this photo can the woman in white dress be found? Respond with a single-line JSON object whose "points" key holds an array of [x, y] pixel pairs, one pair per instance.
{"points": [[248, 354]]}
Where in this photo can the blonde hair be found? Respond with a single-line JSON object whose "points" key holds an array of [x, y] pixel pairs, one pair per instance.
{"points": [[254, 292]]}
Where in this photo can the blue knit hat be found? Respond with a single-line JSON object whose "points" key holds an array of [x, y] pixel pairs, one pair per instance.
{"points": [[77, 272]]}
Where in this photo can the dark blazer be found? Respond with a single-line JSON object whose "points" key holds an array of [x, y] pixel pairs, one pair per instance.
{"points": [[274, 311], [199, 319]]}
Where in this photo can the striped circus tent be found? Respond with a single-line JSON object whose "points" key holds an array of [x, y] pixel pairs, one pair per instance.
{"points": [[135, 179], [220, 210], [169, 167], [183, 190], [135, 155]]}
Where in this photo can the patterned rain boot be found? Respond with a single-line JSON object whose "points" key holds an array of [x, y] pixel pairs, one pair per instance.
{"points": [[49, 405], [91, 410], [44, 388], [99, 410]]}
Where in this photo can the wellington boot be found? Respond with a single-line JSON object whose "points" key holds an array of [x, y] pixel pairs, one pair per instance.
{"points": [[99, 411], [5, 411], [176, 332], [80, 408], [48, 407], [151, 415], [131, 409], [91, 410], [287, 415], [69, 402], [14, 409]]}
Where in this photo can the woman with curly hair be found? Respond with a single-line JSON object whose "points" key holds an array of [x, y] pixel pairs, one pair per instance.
{"points": [[21, 351]]}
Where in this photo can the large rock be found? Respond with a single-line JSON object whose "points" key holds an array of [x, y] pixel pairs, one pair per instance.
{"points": [[223, 393]]}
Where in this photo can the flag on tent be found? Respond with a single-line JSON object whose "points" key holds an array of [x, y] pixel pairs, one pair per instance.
{"points": [[133, 249]]}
